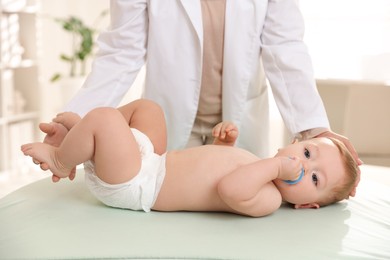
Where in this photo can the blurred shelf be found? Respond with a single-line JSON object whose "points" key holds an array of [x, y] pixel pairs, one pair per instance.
{"points": [[19, 79], [22, 117], [33, 9], [28, 63]]}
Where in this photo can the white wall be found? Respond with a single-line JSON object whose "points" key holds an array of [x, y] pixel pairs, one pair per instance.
{"points": [[349, 39]]}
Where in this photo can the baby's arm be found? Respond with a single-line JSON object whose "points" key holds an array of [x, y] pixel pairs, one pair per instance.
{"points": [[249, 189], [225, 133]]}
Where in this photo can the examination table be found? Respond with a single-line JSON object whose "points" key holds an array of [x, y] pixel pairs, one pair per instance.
{"points": [[64, 221]]}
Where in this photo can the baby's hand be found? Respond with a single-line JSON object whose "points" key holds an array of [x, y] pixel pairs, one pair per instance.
{"points": [[225, 133], [290, 168]]}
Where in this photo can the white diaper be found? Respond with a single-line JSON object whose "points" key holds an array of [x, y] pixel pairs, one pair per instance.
{"points": [[140, 193]]}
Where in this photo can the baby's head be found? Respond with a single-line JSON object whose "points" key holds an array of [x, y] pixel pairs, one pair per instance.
{"points": [[330, 173], [344, 188]]}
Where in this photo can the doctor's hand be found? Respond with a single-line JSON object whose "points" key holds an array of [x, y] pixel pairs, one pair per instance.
{"points": [[225, 133], [351, 149], [55, 134], [67, 119]]}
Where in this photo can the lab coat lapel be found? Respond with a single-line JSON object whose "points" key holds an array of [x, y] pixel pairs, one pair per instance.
{"points": [[194, 12]]}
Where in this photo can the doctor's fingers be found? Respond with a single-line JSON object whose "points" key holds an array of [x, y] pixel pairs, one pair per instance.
{"points": [[44, 166], [346, 142], [67, 119]]}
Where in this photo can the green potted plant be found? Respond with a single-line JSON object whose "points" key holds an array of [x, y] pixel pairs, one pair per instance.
{"points": [[82, 44]]}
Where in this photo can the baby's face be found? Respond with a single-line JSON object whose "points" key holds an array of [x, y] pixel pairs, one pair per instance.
{"points": [[323, 167]]}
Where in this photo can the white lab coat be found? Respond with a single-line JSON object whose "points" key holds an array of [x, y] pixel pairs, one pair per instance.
{"points": [[167, 36]]}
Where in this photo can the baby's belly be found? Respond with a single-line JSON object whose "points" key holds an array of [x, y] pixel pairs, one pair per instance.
{"points": [[207, 161], [192, 177]]}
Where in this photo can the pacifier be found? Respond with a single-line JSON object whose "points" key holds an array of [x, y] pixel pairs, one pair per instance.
{"points": [[297, 180]]}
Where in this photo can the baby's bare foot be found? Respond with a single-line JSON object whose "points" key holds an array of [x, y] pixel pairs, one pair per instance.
{"points": [[44, 153]]}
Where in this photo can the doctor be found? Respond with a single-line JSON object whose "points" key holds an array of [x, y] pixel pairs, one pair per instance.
{"points": [[204, 64]]}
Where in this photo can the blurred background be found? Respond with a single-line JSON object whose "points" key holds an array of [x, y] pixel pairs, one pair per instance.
{"points": [[349, 41]]}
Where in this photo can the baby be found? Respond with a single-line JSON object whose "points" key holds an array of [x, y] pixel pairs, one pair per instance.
{"points": [[127, 166]]}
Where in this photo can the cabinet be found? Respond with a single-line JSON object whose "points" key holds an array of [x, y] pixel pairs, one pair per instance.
{"points": [[19, 81], [360, 110]]}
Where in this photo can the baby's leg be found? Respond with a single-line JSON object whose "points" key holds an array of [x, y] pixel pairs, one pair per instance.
{"points": [[148, 117], [102, 136], [45, 153], [117, 156]]}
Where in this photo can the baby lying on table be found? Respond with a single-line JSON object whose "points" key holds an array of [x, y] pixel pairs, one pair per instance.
{"points": [[127, 166]]}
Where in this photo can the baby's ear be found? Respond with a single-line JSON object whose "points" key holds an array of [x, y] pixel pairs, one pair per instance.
{"points": [[307, 206]]}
